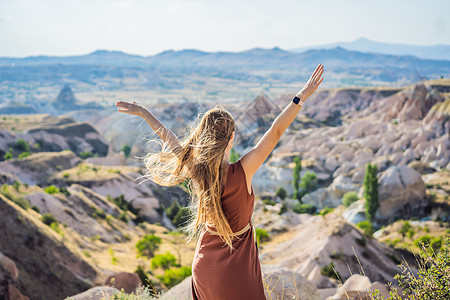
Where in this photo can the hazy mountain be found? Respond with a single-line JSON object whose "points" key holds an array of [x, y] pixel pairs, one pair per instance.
{"points": [[441, 52]]}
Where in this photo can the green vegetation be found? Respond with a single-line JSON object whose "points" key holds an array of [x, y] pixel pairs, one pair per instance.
{"points": [[126, 150], [114, 259], [309, 182], [371, 191], [367, 227], [36, 209], [148, 245], [22, 145], [164, 261], [330, 271], [234, 156], [8, 155], [296, 177], [178, 214], [281, 192], [17, 200], [16, 185], [349, 198], [432, 280], [174, 276], [146, 282], [123, 217], [24, 154], [99, 213], [361, 241], [48, 219], [305, 208], [407, 229], [51, 189], [283, 209], [326, 210], [261, 235], [86, 154]]}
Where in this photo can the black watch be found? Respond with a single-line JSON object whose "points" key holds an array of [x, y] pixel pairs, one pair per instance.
{"points": [[297, 100]]}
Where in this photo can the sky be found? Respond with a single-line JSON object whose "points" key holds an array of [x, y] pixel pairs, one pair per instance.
{"points": [[147, 27]]}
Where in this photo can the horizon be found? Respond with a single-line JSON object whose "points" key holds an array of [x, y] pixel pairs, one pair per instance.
{"points": [[33, 28]]}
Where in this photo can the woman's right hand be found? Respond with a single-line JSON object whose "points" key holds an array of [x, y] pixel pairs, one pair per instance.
{"points": [[313, 83], [130, 108]]}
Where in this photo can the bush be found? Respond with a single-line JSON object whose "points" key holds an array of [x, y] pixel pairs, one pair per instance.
{"points": [[329, 271], [85, 154], [172, 210], [16, 185], [99, 214], [126, 150], [305, 208], [309, 182], [148, 245], [234, 156], [123, 217], [432, 280], [281, 193], [261, 235], [24, 154], [182, 217], [64, 191], [283, 209], [51, 189], [48, 219], [349, 198], [326, 210], [174, 276], [8, 155], [146, 282], [36, 209], [367, 227], [164, 261], [22, 145]]}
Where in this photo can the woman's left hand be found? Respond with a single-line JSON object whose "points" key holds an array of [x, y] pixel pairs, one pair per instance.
{"points": [[130, 108]]}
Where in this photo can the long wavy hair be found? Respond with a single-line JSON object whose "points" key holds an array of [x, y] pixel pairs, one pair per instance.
{"points": [[198, 160]]}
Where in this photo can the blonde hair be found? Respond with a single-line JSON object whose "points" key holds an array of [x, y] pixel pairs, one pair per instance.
{"points": [[199, 157]]}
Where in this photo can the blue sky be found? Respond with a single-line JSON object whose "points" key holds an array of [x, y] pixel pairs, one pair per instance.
{"points": [[146, 27]]}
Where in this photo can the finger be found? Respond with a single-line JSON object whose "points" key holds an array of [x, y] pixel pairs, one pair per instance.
{"points": [[318, 75], [317, 70], [320, 81], [123, 110]]}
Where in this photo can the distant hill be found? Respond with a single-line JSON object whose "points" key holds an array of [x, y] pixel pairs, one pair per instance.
{"points": [[440, 52]]}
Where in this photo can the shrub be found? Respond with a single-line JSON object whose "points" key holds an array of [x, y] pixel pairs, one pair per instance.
{"points": [[143, 276], [261, 235], [330, 271], [48, 219], [56, 228], [326, 210], [425, 240], [24, 154], [281, 192], [16, 185], [164, 261], [367, 227], [36, 209], [123, 217], [172, 210], [405, 228], [305, 208], [51, 189], [234, 156], [309, 182], [349, 198], [174, 276], [269, 201], [64, 191], [8, 155], [283, 209], [85, 154], [66, 175], [148, 245], [22, 145], [99, 214], [126, 150], [431, 281]]}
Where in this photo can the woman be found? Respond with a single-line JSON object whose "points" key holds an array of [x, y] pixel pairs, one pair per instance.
{"points": [[226, 263]]}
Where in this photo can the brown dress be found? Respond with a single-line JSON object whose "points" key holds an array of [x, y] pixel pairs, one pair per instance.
{"points": [[217, 273]]}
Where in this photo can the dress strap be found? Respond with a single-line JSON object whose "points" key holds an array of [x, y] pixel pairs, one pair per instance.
{"points": [[235, 234]]}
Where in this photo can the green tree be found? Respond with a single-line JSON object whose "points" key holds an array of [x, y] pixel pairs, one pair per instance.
{"points": [[148, 245], [296, 176], [371, 191], [182, 217], [281, 193], [164, 261], [22, 145], [126, 150], [309, 182], [234, 156]]}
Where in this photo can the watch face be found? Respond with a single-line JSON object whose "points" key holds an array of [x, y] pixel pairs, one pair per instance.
{"points": [[296, 100]]}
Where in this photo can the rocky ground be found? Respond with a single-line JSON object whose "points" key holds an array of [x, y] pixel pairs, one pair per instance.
{"points": [[405, 132]]}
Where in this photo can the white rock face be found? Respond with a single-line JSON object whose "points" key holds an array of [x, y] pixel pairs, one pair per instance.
{"points": [[401, 189], [355, 287], [355, 213], [96, 293]]}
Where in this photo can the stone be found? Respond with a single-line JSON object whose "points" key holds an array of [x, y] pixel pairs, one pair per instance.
{"points": [[123, 280], [355, 286], [9, 265], [95, 293], [355, 213]]}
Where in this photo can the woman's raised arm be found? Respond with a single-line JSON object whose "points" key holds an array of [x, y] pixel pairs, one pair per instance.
{"points": [[256, 157], [164, 133]]}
